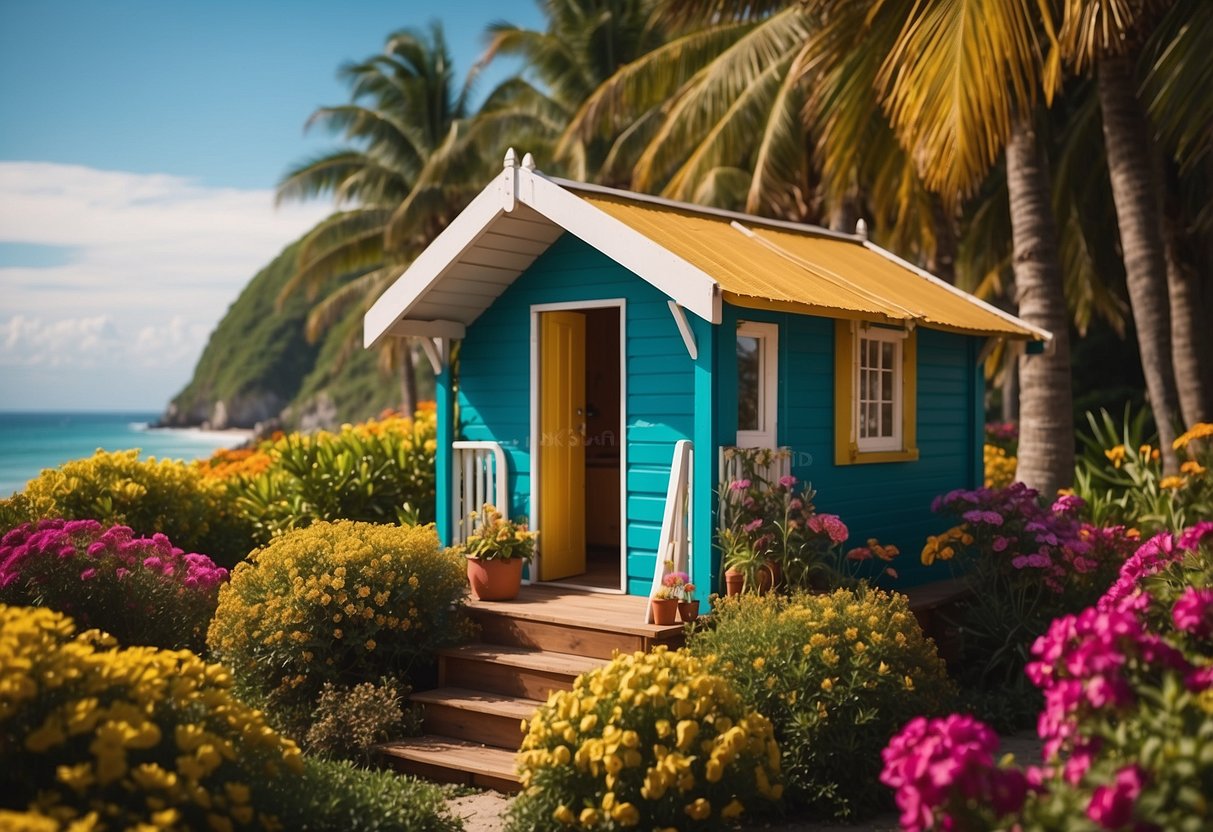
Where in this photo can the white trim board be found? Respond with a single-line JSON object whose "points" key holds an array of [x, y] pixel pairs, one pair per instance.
{"points": [[573, 306]]}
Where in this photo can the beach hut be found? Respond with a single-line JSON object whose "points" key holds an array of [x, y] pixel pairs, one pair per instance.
{"points": [[598, 351]]}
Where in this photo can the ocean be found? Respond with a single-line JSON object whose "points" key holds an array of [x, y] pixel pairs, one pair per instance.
{"points": [[30, 442]]}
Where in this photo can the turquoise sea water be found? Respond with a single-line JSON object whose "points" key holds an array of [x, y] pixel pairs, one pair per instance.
{"points": [[30, 442]]}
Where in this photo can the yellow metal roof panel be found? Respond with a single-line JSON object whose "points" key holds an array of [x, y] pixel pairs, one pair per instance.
{"points": [[763, 265]]}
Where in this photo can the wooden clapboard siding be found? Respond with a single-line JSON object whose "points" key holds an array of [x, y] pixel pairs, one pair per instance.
{"points": [[494, 383], [891, 501]]}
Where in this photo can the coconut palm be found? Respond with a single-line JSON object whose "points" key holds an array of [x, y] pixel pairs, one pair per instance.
{"points": [[1153, 62], [404, 111]]}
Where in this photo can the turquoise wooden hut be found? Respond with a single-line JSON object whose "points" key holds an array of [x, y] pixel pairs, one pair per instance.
{"points": [[596, 350]]}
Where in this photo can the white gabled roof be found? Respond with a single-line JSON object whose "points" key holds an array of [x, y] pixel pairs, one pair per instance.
{"points": [[498, 236]]}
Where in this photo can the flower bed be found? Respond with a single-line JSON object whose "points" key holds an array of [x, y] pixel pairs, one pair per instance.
{"points": [[139, 590], [1126, 726], [124, 736], [837, 675], [649, 741], [337, 602]]}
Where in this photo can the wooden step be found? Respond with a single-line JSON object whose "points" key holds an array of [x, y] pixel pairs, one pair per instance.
{"points": [[453, 761], [513, 671], [475, 715]]}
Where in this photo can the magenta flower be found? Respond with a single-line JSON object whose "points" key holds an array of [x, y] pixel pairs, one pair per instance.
{"points": [[831, 525], [739, 485], [787, 481], [1193, 612], [1112, 806], [754, 525]]}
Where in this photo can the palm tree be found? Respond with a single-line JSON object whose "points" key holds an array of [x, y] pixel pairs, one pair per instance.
{"points": [[884, 103], [404, 113], [583, 44], [1109, 35]]}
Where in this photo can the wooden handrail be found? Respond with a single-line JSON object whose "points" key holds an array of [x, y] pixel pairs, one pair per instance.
{"points": [[674, 543]]}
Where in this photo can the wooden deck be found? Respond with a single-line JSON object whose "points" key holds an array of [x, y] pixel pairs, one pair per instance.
{"points": [[579, 608]]}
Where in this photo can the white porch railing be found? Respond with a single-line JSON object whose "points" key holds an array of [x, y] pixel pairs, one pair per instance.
{"points": [[478, 476], [675, 542]]}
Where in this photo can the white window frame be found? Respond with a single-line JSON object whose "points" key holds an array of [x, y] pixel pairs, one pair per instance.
{"points": [[768, 382], [896, 337]]}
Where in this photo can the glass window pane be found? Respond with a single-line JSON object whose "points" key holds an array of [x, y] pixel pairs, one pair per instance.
{"points": [[886, 355], [886, 419], [886, 386], [863, 386], [749, 370]]}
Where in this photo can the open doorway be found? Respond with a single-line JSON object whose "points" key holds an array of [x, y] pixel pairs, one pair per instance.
{"points": [[581, 456]]}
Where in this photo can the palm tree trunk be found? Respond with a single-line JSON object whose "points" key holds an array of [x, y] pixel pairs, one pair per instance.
{"points": [[1046, 419], [1191, 346], [1138, 209]]}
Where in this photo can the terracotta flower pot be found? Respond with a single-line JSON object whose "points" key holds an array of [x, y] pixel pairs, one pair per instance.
{"points": [[495, 580], [665, 611], [769, 577], [688, 611], [734, 582]]}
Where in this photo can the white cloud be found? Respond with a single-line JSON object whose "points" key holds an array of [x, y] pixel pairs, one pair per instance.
{"points": [[154, 262]]}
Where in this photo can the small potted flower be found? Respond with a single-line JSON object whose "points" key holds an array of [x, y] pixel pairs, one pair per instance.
{"points": [[665, 606], [688, 607], [495, 554]]}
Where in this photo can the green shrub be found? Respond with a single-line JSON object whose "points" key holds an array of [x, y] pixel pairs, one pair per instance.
{"points": [[350, 722], [149, 495], [338, 796], [139, 590], [378, 472], [125, 736], [650, 740], [337, 602], [837, 674]]}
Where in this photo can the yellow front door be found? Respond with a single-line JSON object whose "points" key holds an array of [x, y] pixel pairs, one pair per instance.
{"points": [[561, 445]]}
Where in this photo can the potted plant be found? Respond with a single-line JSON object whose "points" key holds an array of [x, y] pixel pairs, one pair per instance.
{"points": [[665, 606], [745, 565], [495, 554], [688, 607]]}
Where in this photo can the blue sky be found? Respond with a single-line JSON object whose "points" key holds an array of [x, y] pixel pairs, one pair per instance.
{"points": [[140, 142]]}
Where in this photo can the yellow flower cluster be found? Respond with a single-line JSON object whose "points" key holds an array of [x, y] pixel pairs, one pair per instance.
{"points": [[946, 545], [1201, 430], [337, 601], [95, 724], [1000, 467], [652, 739], [836, 674]]}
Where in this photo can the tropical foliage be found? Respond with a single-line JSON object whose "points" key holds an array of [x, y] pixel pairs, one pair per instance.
{"points": [[1127, 685], [837, 675]]}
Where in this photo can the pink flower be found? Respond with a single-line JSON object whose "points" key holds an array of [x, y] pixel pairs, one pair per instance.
{"points": [[1193, 537], [1112, 806], [787, 481], [1193, 612], [88, 574], [739, 485], [859, 553], [830, 525], [754, 525]]}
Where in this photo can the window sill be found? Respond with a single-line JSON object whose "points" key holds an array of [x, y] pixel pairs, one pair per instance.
{"points": [[853, 456]]}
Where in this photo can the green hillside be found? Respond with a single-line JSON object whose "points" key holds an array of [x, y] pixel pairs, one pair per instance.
{"points": [[258, 362]]}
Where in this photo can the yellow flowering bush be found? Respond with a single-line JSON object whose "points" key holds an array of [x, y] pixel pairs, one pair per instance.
{"points": [[340, 602], [1000, 466], [381, 471], [837, 675], [115, 737], [651, 740], [149, 495]]}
